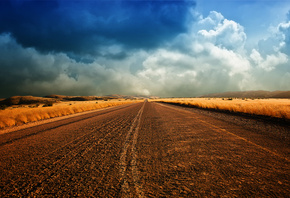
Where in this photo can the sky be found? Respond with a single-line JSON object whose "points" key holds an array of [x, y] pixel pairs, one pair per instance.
{"points": [[166, 48]]}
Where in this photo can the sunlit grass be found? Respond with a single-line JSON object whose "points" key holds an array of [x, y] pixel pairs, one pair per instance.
{"points": [[279, 108], [24, 114]]}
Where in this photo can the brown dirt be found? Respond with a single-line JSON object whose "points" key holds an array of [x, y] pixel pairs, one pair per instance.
{"points": [[188, 154], [143, 150]]}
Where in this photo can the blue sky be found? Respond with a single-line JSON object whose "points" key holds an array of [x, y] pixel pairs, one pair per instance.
{"points": [[163, 48]]}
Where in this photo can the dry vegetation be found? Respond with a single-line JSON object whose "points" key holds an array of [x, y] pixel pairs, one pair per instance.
{"points": [[21, 114], [279, 108]]}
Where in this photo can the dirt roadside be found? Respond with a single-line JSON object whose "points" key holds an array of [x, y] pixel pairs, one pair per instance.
{"points": [[189, 154]]}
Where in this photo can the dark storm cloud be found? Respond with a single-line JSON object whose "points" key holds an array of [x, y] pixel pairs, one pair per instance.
{"points": [[20, 66], [26, 71], [82, 27]]}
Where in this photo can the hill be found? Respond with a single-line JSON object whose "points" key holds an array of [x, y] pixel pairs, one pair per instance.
{"points": [[28, 100], [249, 94]]}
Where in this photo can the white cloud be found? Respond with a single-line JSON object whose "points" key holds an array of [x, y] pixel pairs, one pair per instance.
{"points": [[211, 57], [284, 30], [202, 61], [278, 41], [224, 33], [214, 19], [270, 62]]}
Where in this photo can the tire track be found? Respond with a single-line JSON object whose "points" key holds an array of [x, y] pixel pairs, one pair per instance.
{"points": [[80, 150], [180, 156], [125, 157], [50, 164], [60, 123], [221, 130], [116, 130]]}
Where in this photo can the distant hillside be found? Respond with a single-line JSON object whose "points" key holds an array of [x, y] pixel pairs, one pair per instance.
{"points": [[250, 94], [26, 100], [80, 98], [132, 97]]}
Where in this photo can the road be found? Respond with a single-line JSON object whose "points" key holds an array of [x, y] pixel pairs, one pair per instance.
{"points": [[143, 150]]}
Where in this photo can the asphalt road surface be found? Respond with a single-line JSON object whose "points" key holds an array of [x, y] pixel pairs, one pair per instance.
{"points": [[144, 150]]}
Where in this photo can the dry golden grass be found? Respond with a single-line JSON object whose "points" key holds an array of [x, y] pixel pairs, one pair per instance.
{"points": [[24, 114], [279, 108]]}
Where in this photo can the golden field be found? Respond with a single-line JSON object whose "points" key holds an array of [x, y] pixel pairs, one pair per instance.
{"points": [[279, 108], [18, 115]]}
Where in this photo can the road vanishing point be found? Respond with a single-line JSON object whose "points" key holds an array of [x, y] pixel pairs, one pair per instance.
{"points": [[145, 149]]}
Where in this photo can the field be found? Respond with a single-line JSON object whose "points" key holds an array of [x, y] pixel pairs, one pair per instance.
{"points": [[278, 108], [20, 114]]}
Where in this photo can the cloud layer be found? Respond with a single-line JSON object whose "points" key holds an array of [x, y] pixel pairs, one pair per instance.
{"points": [[163, 48], [27, 71], [215, 60], [84, 27]]}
